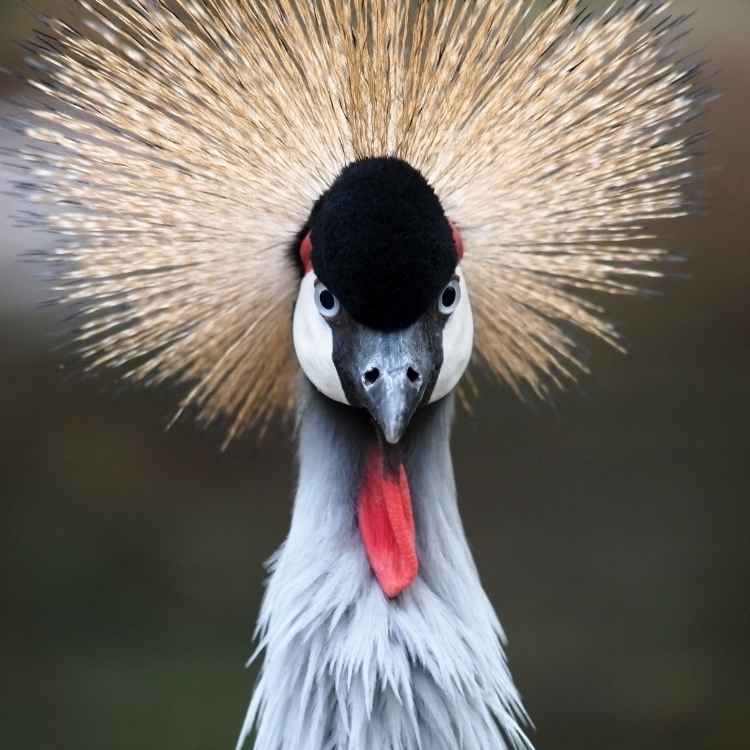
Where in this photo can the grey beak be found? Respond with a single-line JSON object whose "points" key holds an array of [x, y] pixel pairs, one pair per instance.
{"points": [[392, 396], [390, 373]]}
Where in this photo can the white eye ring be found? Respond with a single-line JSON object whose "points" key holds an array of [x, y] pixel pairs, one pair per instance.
{"points": [[450, 297], [328, 305]]}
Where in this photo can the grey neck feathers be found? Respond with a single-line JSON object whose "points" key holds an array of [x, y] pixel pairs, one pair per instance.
{"points": [[344, 667]]}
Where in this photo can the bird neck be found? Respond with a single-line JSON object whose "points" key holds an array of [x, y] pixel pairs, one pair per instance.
{"points": [[335, 442], [346, 666]]}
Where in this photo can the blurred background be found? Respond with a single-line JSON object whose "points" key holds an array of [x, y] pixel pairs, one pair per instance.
{"points": [[611, 529]]}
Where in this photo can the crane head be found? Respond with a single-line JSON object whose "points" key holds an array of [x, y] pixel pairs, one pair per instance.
{"points": [[383, 318]]}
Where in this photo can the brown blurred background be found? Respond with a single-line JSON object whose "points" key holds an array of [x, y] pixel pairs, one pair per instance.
{"points": [[611, 529]]}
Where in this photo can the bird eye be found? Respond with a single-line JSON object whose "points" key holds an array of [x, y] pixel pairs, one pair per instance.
{"points": [[328, 305], [450, 297]]}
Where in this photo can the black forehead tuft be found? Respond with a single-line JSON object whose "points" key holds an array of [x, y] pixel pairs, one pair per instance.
{"points": [[382, 243]]}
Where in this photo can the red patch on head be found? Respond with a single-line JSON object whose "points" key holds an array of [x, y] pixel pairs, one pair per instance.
{"points": [[386, 522], [305, 253], [458, 242]]}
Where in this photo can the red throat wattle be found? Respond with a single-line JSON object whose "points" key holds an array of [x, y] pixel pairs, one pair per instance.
{"points": [[386, 521]]}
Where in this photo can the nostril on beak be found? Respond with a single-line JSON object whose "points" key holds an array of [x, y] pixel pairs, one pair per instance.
{"points": [[413, 375], [371, 376]]}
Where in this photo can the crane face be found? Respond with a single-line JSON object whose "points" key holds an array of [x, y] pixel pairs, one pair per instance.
{"points": [[383, 318]]}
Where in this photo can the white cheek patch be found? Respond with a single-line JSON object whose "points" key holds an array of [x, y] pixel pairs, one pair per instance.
{"points": [[313, 343], [458, 343]]}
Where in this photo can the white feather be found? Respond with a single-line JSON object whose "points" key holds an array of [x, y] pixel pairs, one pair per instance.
{"points": [[313, 343], [458, 343]]}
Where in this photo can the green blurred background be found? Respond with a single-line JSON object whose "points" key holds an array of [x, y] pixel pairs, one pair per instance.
{"points": [[611, 529]]}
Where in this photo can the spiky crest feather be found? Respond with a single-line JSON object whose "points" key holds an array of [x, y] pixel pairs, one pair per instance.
{"points": [[181, 147]]}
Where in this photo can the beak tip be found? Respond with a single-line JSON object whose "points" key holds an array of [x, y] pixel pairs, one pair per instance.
{"points": [[393, 438], [390, 430]]}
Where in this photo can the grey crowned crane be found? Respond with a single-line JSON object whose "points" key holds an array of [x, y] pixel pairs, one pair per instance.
{"points": [[390, 190]]}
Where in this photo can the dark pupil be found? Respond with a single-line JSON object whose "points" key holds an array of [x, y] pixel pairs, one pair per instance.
{"points": [[449, 297], [327, 300]]}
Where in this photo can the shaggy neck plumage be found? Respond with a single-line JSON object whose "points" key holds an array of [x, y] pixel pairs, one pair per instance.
{"points": [[346, 668]]}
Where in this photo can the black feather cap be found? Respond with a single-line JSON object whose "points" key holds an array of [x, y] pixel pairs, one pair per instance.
{"points": [[382, 243]]}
